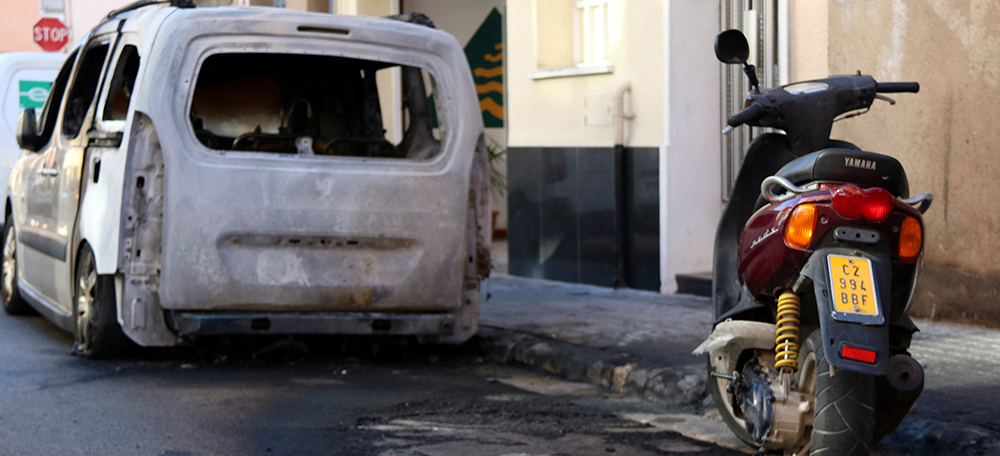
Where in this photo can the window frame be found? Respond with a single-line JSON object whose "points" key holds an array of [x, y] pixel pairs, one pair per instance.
{"points": [[57, 90], [97, 41], [590, 35], [578, 64], [118, 126]]}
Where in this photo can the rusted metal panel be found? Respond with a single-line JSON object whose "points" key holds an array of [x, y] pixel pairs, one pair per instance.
{"points": [[140, 256], [313, 323]]}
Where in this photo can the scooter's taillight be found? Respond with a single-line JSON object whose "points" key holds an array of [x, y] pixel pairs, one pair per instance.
{"points": [[878, 204], [847, 200], [874, 204]]}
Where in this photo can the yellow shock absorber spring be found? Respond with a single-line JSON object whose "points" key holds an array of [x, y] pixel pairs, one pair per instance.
{"points": [[787, 341]]}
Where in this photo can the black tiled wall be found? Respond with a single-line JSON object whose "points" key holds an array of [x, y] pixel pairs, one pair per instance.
{"points": [[561, 211]]}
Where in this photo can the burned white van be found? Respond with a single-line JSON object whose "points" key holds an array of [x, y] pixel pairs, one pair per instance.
{"points": [[203, 171]]}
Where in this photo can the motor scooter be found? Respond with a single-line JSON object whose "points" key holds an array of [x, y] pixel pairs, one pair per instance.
{"points": [[816, 257]]}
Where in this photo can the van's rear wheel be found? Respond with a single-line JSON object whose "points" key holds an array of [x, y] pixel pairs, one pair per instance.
{"points": [[98, 334], [13, 304], [845, 414]]}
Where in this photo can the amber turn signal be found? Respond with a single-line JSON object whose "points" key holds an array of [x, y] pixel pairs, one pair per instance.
{"points": [[801, 226], [911, 237]]}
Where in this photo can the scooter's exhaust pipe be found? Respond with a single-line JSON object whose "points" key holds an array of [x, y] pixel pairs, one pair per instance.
{"points": [[905, 377], [896, 393]]}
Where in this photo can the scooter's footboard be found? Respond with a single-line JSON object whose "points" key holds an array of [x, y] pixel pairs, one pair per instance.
{"points": [[853, 298]]}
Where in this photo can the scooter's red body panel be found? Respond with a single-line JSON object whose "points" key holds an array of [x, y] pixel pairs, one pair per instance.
{"points": [[768, 264]]}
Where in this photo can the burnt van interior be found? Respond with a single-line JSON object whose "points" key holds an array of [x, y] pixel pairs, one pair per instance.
{"points": [[122, 83], [84, 87], [313, 105]]}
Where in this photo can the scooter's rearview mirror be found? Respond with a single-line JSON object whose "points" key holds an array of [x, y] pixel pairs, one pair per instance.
{"points": [[731, 47]]}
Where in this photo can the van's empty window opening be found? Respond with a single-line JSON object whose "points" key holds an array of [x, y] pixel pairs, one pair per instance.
{"points": [[81, 95], [310, 105], [120, 92]]}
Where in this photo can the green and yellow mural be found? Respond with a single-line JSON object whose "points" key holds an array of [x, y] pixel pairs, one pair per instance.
{"points": [[485, 55]]}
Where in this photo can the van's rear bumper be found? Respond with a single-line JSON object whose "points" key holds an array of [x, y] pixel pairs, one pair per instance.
{"points": [[210, 323]]}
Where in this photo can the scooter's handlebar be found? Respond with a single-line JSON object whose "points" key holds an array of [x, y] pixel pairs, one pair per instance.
{"points": [[806, 110], [750, 114], [897, 87], [756, 111]]}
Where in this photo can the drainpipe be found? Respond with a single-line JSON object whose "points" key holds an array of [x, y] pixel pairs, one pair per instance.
{"points": [[622, 243], [619, 114]]}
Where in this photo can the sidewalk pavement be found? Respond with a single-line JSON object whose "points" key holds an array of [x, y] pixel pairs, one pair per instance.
{"points": [[630, 341], [639, 343]]}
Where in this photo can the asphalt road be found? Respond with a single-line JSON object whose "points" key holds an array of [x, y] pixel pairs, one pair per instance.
{"points": [[323, 396]]}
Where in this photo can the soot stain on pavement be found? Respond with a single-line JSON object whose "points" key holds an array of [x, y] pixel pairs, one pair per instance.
{"points": [[517, 424], [276, 351]]}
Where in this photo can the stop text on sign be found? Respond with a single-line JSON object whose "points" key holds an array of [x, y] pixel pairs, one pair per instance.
{"points": [[54, 34]]}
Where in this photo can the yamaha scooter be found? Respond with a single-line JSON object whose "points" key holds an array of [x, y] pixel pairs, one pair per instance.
{"points": [[816, 257]]}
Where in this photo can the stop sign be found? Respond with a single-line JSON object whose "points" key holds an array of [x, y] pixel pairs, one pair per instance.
{"points": [[50, 34]]}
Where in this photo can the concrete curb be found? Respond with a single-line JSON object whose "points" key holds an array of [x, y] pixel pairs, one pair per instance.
{"points": [[621, 374]]}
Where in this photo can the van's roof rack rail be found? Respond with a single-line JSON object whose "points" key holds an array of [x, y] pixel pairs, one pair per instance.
{"points": [[145, 3], [413, 18]]}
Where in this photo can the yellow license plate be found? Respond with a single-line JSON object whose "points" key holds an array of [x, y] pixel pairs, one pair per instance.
{"points": [[853, 285]]}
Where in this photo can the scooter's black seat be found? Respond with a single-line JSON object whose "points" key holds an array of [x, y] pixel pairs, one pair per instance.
{"points": [[865, 169]]}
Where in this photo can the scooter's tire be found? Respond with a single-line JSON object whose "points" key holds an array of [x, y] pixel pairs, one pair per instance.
{"points": [[717, 395], [845, 413]]}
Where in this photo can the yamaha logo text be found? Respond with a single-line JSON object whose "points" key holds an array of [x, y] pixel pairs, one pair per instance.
{"points": [[859, 163]]}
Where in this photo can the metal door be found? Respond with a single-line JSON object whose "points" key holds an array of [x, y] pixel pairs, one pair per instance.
{"points": [[34, 214], [761, 21], [56, 196]]}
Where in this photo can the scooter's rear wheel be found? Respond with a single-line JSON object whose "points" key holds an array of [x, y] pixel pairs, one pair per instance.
{"points": [[844, 407], [724, 403]]}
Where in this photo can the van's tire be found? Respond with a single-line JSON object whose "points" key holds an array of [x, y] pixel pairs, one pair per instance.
{"points": [[13, 304], [845, 414], [97, 332]]}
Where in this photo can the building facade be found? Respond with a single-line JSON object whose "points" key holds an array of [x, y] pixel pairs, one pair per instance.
{"points": [[945, 136], [584, 76], [561, 129]]}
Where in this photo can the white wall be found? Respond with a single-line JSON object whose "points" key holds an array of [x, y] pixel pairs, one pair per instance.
{"points": [[690, 158]]}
